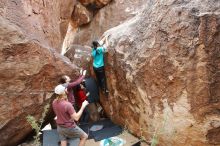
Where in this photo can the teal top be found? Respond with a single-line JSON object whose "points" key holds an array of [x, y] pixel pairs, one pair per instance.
{"points": [[98, 57]]}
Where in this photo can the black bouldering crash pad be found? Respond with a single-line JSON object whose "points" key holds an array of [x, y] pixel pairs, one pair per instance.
{"points": [[109, 130], [106, 133]]}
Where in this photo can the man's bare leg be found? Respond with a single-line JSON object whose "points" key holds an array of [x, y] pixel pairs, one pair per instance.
{"points": [[83, 140]]}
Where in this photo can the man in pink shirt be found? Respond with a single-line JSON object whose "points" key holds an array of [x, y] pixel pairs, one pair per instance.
{"points": [[66, 117]]}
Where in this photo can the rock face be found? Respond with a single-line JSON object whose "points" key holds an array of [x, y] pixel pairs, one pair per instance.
{"points": [[30, 31], [111, 15], [163, 73], [94, 4], [80, 55], [80, 15], [43, 21], [162, 68]]}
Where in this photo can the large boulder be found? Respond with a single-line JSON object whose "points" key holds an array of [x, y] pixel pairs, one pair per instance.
{"points": [[80, 55], [94, 4], [30, 32], [113, 14], [80, 15], [163, 73], [43, 21]]}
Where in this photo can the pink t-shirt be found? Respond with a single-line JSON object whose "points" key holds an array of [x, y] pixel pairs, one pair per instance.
{"points": [[63, 110], [70, 89]]}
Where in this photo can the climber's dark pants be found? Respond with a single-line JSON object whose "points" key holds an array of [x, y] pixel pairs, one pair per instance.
{"points": [[101, 78]]}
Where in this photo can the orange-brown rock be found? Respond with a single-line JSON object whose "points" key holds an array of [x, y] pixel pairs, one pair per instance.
{"points": [[111, 15], [94, 4], [43, 21], [80, 15], [80, 55], [30, 31], [163, 73], [28, 75], [162, 67]]}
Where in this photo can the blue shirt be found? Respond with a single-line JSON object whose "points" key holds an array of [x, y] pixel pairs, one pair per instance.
{"points": [[98, 57]]}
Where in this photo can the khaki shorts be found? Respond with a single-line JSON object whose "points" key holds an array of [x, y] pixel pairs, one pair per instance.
{"points": [[65, 133]]}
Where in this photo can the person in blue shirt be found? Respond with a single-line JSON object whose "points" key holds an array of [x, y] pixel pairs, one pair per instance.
{"points": [[98, 64]]}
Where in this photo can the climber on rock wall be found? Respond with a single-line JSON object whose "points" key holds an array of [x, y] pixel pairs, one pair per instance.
{"points": [[98, 50]]}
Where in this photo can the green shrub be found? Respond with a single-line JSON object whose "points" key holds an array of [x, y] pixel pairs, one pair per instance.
{"points": [[36, 125]]}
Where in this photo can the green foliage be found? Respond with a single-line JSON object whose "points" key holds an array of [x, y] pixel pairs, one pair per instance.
{"points": [[36, 125]]}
